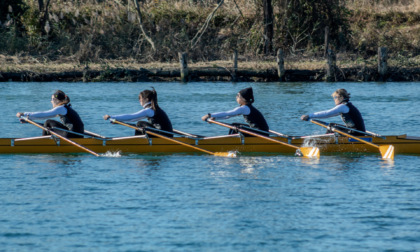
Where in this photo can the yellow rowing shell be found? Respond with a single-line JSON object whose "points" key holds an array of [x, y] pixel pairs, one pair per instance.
{"points": [[141, 144]]}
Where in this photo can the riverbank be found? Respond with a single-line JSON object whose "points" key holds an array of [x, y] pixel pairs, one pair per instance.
{"points": [[104, 41], [298, 68]]}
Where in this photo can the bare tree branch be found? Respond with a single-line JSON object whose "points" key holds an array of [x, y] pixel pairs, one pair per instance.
{"points": [[136, 3], [200, 33], [240, 12]]}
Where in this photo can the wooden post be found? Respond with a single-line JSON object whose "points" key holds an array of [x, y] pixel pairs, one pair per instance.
{"points": [[331, 66], [235, 65], [280, 64], [327, 41], [382, 62], [86, 76], [183, 66]]}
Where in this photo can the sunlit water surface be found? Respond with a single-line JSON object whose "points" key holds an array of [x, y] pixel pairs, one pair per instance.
{"points": [[181, 202]]}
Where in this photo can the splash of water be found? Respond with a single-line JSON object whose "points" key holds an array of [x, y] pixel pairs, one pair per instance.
{"points": [[233, 154], [112, 154]]}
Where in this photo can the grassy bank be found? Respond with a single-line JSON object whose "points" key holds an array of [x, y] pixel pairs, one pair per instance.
{"points": [[106, 35]]}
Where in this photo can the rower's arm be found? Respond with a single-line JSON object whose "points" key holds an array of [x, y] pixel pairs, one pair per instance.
{"points": [[242, 110], [144, 113], [337, 110], [60, 110]]}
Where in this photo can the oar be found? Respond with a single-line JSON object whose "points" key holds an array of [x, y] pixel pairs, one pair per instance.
{"points": [[306, 151], [86, 133], [94, 134], [186, 134], [368, 133], [59, 136], [262, 131], [278, 134], [387, 151], [221, 154]]}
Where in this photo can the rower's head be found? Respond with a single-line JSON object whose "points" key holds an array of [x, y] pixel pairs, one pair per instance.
{"points": [[59, 98], [245, 96], [340, 95], [146, 96]]}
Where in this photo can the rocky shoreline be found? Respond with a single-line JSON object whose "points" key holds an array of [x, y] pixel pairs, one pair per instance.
{"points": [[355, 74]]}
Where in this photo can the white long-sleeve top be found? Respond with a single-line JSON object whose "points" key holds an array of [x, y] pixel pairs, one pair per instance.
{"points": [[144, 113], [59, 110], [241, 110], [337, 110]]}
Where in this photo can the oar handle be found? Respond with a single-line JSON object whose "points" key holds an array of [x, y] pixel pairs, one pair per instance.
{"points": [[250, 133], [344, 133], [59, 136]]}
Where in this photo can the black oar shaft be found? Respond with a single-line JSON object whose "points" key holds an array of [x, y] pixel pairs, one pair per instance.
{"points": [[305, 151], [251, 133], [387, 151], [345, 134]]}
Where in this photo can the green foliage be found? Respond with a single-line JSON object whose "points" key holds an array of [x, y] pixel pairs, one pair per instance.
{"points": [[30, 21], [13, 8], [11, 40]]}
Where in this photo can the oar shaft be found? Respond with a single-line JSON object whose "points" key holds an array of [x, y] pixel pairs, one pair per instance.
{"points": [[94, 134], [345, 134], [61, 137], [252, 133], [278, 133], [368, 133], [179, 142], [165, 137], [263, 131], [186, 134]]}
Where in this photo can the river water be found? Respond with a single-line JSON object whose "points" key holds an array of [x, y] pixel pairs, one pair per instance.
{"points": [[181, 202]]}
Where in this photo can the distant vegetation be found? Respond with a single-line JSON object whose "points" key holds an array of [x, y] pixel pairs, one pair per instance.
{"points": [[94, 30]]}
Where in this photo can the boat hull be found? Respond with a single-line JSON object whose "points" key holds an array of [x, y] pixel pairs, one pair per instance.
{"points": [[328, 144]]}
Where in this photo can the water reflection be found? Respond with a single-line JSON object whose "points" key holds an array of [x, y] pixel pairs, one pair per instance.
{"points": [[62, 161], [147, 165], [313, 162], [387, 164]]}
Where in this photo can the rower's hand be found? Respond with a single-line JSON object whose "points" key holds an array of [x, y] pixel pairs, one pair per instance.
{"points": [[20, 115], [304, 118], [106, 117], [204, 118]]}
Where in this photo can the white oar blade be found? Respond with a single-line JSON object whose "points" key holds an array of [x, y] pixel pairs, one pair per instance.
{"points": [[230, 154], [387, 151], [311, 152]]}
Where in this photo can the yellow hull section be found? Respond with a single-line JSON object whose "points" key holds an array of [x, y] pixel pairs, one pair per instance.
{"points": [[402, 144]]}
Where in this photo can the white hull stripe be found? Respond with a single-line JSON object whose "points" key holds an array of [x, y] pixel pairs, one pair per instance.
{"points": [[314, 152], [389, 152]]}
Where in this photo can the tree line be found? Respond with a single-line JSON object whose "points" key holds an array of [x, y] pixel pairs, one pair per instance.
{"points": [[156, 30]]}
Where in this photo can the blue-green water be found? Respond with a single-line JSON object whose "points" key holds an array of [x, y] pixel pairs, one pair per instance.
{"points": [[353, 202]]}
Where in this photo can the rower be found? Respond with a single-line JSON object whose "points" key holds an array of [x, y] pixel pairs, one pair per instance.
{"points": [[349, 113], [254, 118], [157, 118], [70, 119]]}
